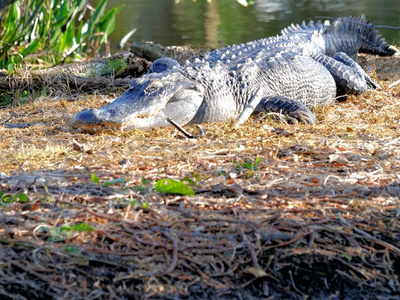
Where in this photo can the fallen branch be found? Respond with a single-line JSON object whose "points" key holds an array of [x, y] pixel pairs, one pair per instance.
{"points": [[92, 76]]}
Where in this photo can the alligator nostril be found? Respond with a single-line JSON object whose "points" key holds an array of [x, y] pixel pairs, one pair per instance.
{"points": [[88, 115]]}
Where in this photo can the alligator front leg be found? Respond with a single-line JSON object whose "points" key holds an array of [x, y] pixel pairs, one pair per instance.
{"points": [[294, 111], [250, 107], [350, 78]]}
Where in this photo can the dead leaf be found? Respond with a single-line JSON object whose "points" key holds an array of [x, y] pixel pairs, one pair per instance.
{"points": [[256, 272]]}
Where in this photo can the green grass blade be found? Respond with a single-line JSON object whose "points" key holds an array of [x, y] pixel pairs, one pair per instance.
{"points": [[31, 48]]}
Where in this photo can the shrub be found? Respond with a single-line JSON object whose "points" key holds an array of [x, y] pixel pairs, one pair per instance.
{"points": [[53, 31]]}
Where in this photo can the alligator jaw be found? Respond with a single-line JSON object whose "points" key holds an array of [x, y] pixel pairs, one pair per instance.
{"points": [[147, 103], [119, 115]]}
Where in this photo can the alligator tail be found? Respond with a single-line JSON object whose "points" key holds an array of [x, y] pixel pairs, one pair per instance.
{"points": [[355, 34], [372, 42]]}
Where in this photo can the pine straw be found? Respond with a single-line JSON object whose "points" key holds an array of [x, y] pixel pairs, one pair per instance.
{"points": [[318, 217]]}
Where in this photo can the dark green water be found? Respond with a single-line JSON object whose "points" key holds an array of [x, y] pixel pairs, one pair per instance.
{"points": [[205, 23]]}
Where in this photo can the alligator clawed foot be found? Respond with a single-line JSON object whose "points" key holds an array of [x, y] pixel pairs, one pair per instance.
{"points": [[302, 116]]}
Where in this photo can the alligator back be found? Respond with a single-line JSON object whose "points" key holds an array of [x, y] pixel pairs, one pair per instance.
{"points": [[349, 35]]}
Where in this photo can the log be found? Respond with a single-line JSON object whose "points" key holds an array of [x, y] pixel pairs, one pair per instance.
{"points": [[103, 74], [97, 75], [152, 51]]}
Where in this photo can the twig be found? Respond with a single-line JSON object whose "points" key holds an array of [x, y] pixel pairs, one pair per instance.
{"points": [[293, 284], [252, 251], [296, 238], [368, 236], [6, 120], [34, 273], [174, 253], [180, 128], [394, 84], [110, 218]]}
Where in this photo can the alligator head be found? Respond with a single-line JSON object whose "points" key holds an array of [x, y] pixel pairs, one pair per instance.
{"points": [[148, 102]]}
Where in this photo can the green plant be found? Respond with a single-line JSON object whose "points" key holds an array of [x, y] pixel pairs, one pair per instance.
{"points": [[52, 31], [9, 198], [136, 203], [120, 181], [241, 2], [248, 167], [66, 231], [144, 187], [79, 227], [190, 181]]}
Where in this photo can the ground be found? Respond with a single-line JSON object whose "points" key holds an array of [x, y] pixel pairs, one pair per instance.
{"points": [[279, 211]]}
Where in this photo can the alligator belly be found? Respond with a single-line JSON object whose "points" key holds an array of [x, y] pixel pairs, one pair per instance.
{"points": [[303, 79]]}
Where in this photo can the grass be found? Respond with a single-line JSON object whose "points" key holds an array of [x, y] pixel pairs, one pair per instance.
{"points": [[278, 210], [53, 32]]}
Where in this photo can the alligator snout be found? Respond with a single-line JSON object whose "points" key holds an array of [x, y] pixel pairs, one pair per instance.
{"points": [[88, 115], [88, 120]]}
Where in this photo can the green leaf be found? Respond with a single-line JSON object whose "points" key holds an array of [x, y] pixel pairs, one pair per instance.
{"points": [[72, 249], [248, 166], [171, 186], [62, 14], [35, 13], [114, 181], [145, 181], [107, 23], [8, 199], [31, 48], [11, 22], [99, 11], [79, 32], [134, 202], [348, 257], [145, 205], [22, 197], [196, 177], [80, 227], [69, 36], [94, 178]]}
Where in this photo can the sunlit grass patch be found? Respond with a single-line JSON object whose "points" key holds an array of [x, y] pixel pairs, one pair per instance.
{"points": [[32, 154]]}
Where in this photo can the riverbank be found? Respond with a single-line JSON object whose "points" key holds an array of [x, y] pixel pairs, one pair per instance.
{"points": [[279, 211]]}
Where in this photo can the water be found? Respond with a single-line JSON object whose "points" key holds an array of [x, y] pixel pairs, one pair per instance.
{"points": [[225, 21]]}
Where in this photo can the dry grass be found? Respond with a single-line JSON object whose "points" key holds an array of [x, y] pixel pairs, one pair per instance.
{"points": [[319, 216]]}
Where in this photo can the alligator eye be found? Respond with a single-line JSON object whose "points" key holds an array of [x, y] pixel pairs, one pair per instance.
{"points": [[153, 86]]}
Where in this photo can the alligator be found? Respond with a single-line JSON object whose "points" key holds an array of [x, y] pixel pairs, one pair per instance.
{"points": [[305, 66]]}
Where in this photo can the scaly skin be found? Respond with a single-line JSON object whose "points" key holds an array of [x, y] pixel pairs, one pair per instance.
{"points": [[306, 66]]}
